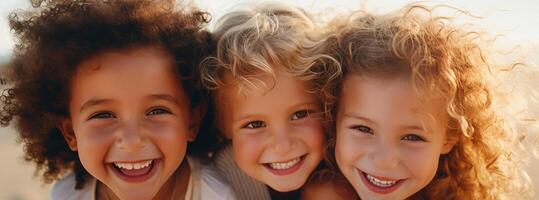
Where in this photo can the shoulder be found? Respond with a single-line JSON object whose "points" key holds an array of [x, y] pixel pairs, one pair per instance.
{"points": [[64, 189], [223, 159], [243, 185], [213, 185]]}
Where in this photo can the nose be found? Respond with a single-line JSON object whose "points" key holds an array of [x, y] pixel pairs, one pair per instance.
{"points": [[131, 137], [385, 155], [282, 141]]}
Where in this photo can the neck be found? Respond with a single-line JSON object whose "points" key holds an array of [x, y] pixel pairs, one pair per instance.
{"points": [[291, 195], [176, 185]]}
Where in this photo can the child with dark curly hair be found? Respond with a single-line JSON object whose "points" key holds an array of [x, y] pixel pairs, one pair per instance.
{"points": [[107, 93]]}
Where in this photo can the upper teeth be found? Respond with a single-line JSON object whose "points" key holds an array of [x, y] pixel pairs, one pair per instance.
{"points": [[130, 166], [380, 183], [284, 165]]}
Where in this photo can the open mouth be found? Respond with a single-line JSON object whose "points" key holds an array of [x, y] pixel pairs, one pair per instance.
{"points": [[135, 171], [379, 184], [285, 168]]}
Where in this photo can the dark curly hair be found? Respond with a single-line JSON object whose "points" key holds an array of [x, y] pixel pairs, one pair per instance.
{"points": [[58, 35]]}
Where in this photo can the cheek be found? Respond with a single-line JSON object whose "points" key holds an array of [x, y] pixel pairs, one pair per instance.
{"points": [[92, 147], [311, 134], [347, 149], [170, 139], [423, 162], [247, 149]]}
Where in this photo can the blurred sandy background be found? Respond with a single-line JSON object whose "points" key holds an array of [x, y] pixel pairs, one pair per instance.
{"points": [[510, 18], [16, 178]]}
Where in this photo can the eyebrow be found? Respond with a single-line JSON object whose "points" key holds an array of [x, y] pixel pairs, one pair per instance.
{"points": [[414, 127], [96, 101], [356, 116], [93, 102], [243, 117], [166, 97]]}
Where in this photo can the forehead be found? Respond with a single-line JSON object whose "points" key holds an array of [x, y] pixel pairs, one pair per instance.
{"points": [[127, 72], [393, 96], [265, 85], [126, 57], [278, 91]]}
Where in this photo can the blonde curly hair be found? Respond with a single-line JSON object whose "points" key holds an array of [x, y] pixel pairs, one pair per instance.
{"points": [[445, 60], [256, 41]]}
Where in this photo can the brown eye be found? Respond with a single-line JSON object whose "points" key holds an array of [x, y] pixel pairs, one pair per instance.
{"points": [[413, 137], [300, 114], [102, 115], [158, 111], [255, 124], [363, 129]]}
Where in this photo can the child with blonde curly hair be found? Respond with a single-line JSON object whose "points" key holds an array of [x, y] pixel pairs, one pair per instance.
{"points": [[106, 98], [264, 81], [414, 117]]}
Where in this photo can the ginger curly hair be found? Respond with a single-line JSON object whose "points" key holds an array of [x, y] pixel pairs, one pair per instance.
{"points": [[58, 35], [442, 59]]}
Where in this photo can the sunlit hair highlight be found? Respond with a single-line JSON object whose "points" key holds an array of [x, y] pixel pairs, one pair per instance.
{"points": [[254, 42], [448, 61]]}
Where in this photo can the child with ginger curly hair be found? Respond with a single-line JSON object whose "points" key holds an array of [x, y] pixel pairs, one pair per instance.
{"points": [[264, 81], [109, 93], [414, 115]]}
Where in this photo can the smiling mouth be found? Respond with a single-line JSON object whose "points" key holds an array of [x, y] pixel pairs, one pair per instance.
{"points": [[135, 171], [380, 185], [285, 168]]}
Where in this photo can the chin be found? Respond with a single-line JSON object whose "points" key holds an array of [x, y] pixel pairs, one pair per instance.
{"points": [[285, 187], [139, 195]]}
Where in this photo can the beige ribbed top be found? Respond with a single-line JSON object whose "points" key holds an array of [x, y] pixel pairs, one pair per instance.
{"points": [[246, 188]]}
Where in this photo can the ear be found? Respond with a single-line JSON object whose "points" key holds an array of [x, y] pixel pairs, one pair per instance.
{"points": [[195, 119], [66, 128], [448, 145]]}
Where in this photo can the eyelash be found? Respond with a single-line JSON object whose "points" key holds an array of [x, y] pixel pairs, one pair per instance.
{"points": [[413, 138], [100, 115], [159, 111], [363, 129], [409, 137], [304, 114], [255, 125]]}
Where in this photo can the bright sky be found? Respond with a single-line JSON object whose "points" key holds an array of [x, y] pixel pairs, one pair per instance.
{"points": [[514, 19]]}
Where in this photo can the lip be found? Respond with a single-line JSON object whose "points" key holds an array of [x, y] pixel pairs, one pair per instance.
{"points": [[377, 189], [284, 172], [136, 179]]}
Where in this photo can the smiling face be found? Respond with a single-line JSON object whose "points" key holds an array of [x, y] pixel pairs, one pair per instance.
{"points": [[277, 134], [130, 120], [388, 142]]}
